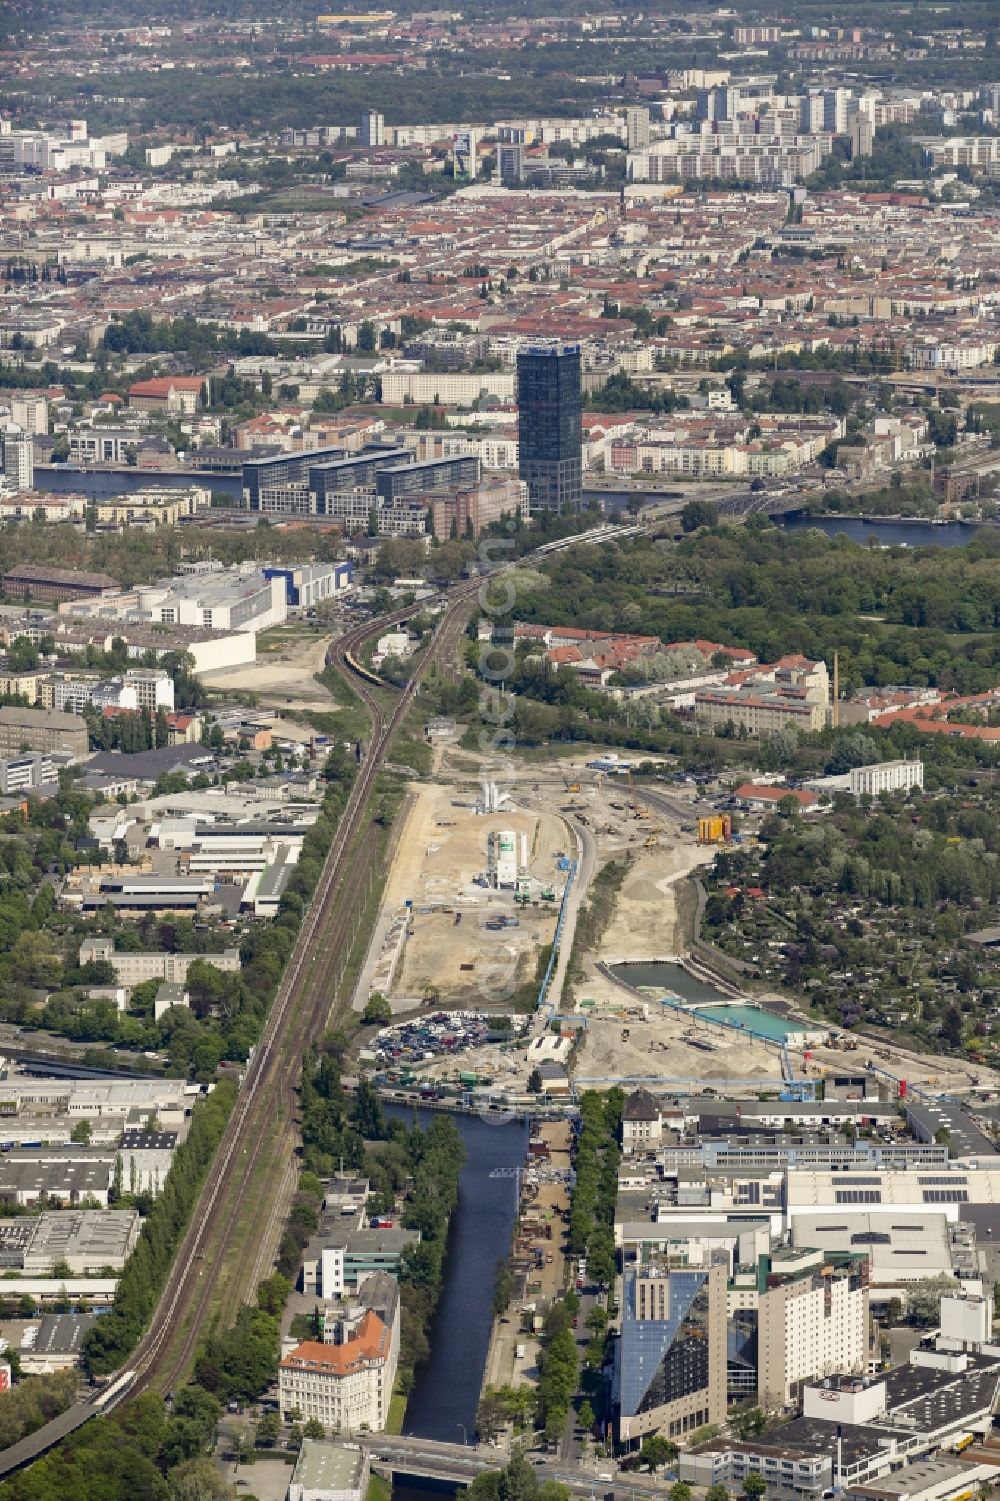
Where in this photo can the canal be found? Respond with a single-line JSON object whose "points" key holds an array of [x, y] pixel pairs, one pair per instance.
{"points": [[446, 1387]]}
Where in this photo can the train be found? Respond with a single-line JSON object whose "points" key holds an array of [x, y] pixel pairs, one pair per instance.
{"points": [[363, 671], [115, 1390]]}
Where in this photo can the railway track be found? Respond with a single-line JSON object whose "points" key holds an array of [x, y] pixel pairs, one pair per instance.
{"points": [[263, 1117]]}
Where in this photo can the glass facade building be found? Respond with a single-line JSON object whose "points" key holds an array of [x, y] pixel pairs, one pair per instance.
{"points": [[550, 426], [670, 1374]]}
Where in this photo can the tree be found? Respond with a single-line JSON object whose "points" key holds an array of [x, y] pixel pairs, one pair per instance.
{"points": [[657, 1452], [754, 1486], [587, 1416], [197, 1480], [717, 1492], [377, 1010], [698, 513], [679, 1491], [923, 1300], [313, 1429], [268, 1428], [748, 1422], [952, 1028]]}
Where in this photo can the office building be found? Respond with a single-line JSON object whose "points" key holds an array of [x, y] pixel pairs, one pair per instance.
{"points": [[804, 1313], [18, 453], [510, 162], [372, 131], [217, 598], [670, 1366], [345, 1380], [466, 163], [550, 429], [31, 772], [134, 967], [41, 730], [308, 584], [329, 1472], [399, 480], [792, 692], [50, 585], [157, 505], [466, 512], [835, 111], [340, 1258], [862, 135]]}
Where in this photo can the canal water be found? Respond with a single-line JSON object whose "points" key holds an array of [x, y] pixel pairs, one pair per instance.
{"points": [[102, 484], [670, 979], [446, 1388], [889, 533]]}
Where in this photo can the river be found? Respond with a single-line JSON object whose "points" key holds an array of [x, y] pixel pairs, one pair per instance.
{"points": [[889, 533], [102, 484], [446, 1388]]}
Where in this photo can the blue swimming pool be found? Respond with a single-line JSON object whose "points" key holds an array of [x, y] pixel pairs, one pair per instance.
{"points": [[752, 1019]]}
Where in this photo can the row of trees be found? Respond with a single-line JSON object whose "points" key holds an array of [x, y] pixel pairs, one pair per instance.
{"points": [[115, 1335], [592, 1205]]}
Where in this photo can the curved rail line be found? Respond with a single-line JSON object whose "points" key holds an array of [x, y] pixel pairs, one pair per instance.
{"points": [[297, 1015]]}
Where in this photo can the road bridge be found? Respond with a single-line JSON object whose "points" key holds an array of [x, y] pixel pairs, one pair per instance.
{"points": [[428, 1459]]}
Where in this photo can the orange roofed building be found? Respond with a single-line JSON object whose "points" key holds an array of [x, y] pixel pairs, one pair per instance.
{"points": [[173, 394], [345, 1380]]}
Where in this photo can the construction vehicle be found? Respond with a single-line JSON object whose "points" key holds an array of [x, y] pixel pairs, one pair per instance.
{"points": [[637, 808], [650, 842]]}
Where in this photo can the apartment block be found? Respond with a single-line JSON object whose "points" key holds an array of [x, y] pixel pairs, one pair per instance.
{"points": [[133, 967], [41, 730]]}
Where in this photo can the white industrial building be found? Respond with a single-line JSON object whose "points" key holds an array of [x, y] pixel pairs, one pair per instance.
{"points": [[219, 599], [506, 856], [886, 776]]}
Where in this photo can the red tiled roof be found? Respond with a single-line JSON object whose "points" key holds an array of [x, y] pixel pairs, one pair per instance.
{"points": [[762, 793], [370, 1341]]}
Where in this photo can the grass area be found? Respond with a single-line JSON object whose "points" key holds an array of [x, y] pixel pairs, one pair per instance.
{"points": [[379, 1488], [408, 747], [397, 1412]]}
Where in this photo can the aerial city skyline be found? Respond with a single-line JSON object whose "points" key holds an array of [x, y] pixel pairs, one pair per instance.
{"points": [[499, 722]]}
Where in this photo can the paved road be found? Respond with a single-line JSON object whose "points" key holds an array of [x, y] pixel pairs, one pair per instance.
{"points": [[423, 1456]]}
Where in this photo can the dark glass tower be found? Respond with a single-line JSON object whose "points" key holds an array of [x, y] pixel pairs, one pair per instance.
{"points": [[550, 410]]}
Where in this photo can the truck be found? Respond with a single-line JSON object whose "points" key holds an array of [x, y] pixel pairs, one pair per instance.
{"points": [[520, 1351]]}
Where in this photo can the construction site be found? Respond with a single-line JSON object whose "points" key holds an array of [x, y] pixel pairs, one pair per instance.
{"points": [[485, 879], [472, 897]]}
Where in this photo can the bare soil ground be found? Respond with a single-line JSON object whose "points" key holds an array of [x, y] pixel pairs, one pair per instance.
{"points": [[284, 673], [441, 853]]}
